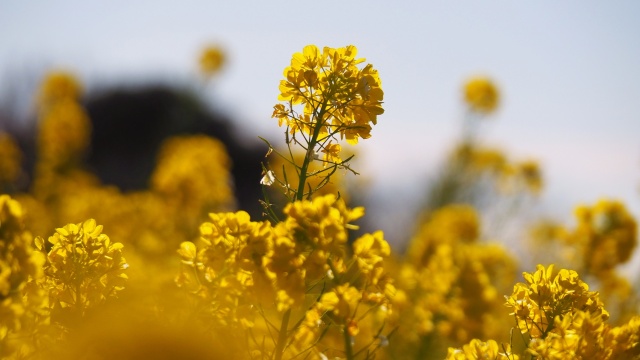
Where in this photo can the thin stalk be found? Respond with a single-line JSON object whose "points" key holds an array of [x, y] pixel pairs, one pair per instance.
{"points": [[348, 348], [309, 155], [282, 335]]}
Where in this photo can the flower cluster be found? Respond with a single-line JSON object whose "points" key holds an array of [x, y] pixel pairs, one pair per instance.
{"points": [[606, 235], [337, 96], [483, 162], [449, 284], [243, 268], [559, 318], [64, 124], [546, 295], [19, 263], [604, 238], [477, 349], [84, 268], [325, 98]]}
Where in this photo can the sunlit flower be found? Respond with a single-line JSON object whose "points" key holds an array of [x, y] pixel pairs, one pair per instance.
{"points": [[479, 350], [337, 97], [332, 153], [547, 295]]}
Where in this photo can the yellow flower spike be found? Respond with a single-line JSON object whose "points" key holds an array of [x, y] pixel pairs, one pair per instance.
{"points": [[330, 83]]}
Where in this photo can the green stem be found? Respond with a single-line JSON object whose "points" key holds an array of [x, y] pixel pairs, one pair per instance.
{"points": [[348, 348], [309, 156], [282, 336]]}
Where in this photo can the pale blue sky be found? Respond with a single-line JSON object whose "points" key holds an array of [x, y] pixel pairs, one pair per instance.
{"points": [[569, 72]]}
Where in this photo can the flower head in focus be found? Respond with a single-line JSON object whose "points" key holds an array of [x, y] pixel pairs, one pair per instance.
{"points": [[336, 96]]}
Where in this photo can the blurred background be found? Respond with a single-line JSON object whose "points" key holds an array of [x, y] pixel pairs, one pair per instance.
{"points": [[567, 72]]}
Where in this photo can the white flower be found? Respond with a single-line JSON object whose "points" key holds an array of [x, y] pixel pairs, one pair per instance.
{"points": [[330, 274], [268, 179]]}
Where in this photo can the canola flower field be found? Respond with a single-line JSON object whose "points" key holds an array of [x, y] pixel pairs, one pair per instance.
{"points": [[176, 271]]}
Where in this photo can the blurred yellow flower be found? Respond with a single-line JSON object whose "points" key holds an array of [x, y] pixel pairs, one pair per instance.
{"points": [[64, 134], [481, 95], [211, 60], [10, 160], [606, 235], [18, 264], [59, 86], [194, 172]]}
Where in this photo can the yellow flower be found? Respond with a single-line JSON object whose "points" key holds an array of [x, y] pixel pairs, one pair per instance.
{"points": [[479, 350], [547, 295], [481, 95], [211, 60], [332, 153], [19, 263], [606, 235], [530, 173], [369, 251], [335, 94], [84, 267], [59, 86], [64, 133], [193, 172], [10, 160], [323, 222], [228, 267]]}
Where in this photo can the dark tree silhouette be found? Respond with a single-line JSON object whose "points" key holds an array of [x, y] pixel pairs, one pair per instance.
{"points": [[129, 126]]}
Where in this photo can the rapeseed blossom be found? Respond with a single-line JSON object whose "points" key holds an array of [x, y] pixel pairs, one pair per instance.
{"points": [[212, 59], [84, 268], [19, 263], [477, 350], [335, 94], [10, 162], [481, 95], [606, 235]]}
